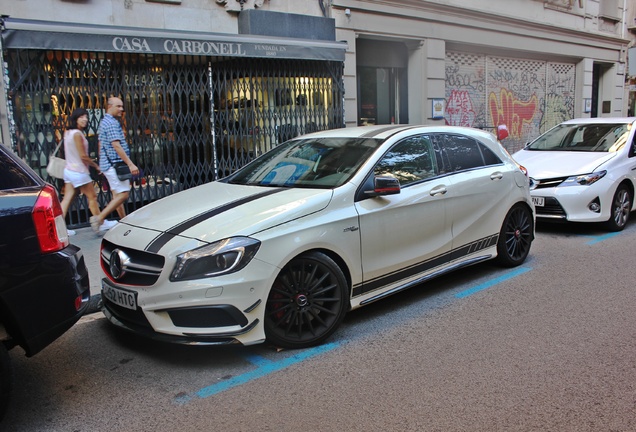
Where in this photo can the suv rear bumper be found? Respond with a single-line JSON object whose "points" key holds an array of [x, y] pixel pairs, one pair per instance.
{"points": [[42, 300]]}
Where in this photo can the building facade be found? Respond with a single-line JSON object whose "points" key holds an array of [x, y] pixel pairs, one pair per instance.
{"points": [[526, 63], [210, 84]]}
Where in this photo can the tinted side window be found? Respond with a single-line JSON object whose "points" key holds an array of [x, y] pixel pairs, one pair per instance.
{"points": [[463, 152], [490, 158], [409, 161], [11, 175]]}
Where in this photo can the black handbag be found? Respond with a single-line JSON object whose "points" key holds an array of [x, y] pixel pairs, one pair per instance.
{"points": [[121, 169]]}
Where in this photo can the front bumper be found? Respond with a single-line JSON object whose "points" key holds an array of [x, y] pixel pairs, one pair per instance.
{"points": [[572, 203], [115, 317], [213, 311]]}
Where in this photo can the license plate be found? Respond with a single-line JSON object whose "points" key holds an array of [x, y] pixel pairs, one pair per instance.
{"points": [[538, 201], [121, 297]]}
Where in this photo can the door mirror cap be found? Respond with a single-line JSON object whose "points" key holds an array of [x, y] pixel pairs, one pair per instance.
{"points": [[502, 132], [385, 185]]}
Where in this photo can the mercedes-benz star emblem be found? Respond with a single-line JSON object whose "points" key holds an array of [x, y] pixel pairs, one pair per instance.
{"points": [[118, 263]]}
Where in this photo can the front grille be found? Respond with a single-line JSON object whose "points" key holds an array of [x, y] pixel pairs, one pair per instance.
{"points": [[549, 182], [143, 268], [551, 209]]}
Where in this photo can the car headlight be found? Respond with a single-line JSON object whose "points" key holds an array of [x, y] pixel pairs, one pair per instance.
{"points": [[584, 179], [222, 257]]}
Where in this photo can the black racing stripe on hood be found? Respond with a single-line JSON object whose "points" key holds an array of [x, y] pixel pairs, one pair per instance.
{"points": [[163, 238]]}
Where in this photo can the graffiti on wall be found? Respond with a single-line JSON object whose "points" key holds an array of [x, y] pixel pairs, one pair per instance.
{"points": [[459, 109], [529, 96], [509, 110]]}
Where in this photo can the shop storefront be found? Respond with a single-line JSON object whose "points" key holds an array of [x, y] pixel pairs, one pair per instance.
{"points": [[197, 105]]}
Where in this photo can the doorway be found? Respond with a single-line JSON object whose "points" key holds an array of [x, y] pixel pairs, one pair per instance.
{"points": [[382, 82]]}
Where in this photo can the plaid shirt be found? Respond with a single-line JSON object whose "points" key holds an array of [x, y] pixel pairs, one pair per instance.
{"points": [[110, 130]]}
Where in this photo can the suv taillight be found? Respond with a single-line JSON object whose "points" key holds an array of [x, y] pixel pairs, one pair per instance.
{"points": [[49, 222]]}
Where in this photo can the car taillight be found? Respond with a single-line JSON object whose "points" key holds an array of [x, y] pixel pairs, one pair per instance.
{"points": [[50, 226]]}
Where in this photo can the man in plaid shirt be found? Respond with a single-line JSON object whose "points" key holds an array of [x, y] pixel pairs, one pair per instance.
{"points": [[113, 148]]}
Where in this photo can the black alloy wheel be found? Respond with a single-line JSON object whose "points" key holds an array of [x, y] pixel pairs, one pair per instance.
{"points": [[307, 302], [621, 207], [515, 238]]}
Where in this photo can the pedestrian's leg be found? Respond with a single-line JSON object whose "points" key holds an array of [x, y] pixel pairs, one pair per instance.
{"points": [[69, 194], [89, 192], [121, 211], [118, 199]]}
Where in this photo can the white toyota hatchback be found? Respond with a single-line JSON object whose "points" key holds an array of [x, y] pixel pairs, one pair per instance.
{"points": [[321, 224], [584, 170]]}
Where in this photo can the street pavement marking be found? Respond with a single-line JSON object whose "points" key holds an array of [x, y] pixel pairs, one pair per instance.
{"points": [[514, 273], [600, 238], [264, 367]]}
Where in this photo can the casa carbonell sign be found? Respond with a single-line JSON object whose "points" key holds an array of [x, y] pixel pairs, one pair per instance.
{"points": [[175, 46], [50, 36]]}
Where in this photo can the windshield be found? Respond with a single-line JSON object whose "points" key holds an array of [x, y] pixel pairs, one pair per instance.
{"points": [[311, 162], [609, 137]]}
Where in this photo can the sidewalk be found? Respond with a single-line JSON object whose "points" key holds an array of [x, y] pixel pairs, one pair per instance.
{"points": [[90, 242]]}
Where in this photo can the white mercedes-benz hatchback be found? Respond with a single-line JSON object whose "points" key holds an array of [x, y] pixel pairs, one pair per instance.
{"points": [[584, 170], [321, 224]]}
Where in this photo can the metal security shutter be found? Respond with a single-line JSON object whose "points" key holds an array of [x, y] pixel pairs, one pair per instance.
{"points": [[516, 88], [528, 96], [466, 90], [559, 98], [188, 119], [259, 104]]}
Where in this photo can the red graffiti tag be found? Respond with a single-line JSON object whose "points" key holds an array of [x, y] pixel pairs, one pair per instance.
{"points": [[512, 112], [459, 110]]}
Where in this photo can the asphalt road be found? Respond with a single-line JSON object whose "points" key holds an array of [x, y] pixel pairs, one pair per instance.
{"points": [[549, 346]]}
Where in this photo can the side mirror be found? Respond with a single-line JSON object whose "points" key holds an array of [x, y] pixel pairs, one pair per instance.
{"points": [[385, 185], [502, 132]]}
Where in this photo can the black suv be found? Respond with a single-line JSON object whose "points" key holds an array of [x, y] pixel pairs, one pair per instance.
{"points": [[44, 284]]}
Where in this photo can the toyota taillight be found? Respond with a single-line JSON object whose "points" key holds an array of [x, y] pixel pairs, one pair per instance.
{"points": [[50, 226]]}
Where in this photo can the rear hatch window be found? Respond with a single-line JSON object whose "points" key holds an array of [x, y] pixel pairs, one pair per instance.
{"points": [[12, 175]]}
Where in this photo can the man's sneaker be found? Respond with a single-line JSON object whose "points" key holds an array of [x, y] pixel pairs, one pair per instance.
{"points": [[94, 220], [108, 224]]}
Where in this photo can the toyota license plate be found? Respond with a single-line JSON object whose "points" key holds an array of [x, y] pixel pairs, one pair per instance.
{"points": [[538, 201], [121, 297]]}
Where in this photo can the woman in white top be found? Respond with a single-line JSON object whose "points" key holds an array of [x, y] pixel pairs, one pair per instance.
{"points": [[76, 173]]}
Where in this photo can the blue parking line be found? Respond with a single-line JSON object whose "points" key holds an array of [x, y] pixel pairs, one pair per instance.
{"points": [[492, 282], [601, 238], [257, 360], [264, 367]]}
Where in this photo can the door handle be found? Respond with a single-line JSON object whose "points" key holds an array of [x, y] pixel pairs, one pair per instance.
{"points": [[496, 176], [438, 190]]}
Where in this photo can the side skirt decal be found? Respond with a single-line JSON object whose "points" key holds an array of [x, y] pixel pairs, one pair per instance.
{"points": [[419, 268], [425, 278]]}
